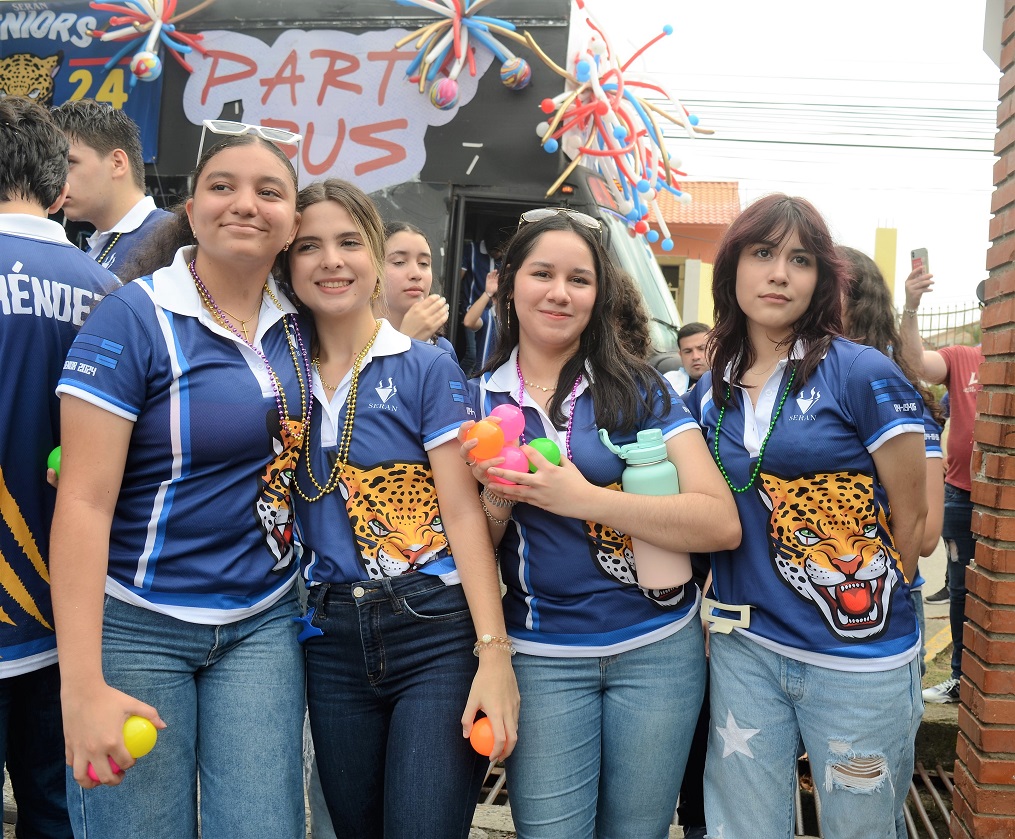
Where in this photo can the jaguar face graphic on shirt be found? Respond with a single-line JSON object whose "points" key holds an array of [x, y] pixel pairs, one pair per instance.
{"points": [[825, 544]]}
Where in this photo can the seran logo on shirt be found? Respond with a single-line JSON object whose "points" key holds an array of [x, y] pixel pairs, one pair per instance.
{"points": [[385, 392], [805, 403]]}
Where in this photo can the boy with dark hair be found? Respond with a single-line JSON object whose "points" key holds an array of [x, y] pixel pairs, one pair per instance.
{"points": [[47, 287], [693, 342], [106, 180]]}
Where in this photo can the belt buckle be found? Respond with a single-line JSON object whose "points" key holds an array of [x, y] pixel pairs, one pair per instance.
{"points": [[718, 623]]}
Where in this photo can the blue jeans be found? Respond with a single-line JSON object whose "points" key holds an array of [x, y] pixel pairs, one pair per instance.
{"points": [[387, 683], [232, 698], [858, 730], [957, 532], [602, 742], [31, 742]]}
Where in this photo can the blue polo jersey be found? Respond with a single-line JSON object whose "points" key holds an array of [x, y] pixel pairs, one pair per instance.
{"points": [[113, 248], [932, 445], [47, 289], [817, 564], [202, 529], [382, 518], [572, 587]]}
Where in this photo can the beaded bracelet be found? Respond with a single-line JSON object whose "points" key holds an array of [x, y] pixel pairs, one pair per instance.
{"points": [[909, 312], [496, 500], [491, 516], [498, 642]]}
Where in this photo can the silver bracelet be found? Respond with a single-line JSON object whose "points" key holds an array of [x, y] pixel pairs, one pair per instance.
{"points": [[491, 516], [909, 312], [495, 500]]}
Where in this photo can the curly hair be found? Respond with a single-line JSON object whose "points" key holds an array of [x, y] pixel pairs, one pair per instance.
{"points": [[869, 317], [626, 385], [772, 219]]}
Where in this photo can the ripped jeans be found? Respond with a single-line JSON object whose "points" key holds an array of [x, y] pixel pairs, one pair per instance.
{"points": [[858, 730]]}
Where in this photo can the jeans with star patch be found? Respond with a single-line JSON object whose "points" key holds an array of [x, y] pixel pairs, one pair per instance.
{"points": [[858, 730]]}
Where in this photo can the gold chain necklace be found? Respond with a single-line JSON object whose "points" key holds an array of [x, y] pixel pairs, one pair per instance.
{"points": [[108, 248], [342, 456], [320, 375], [539, 387], [240, 321]]}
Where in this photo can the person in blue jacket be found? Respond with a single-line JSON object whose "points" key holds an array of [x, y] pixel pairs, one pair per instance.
{"points": [[611, 672], [813, 634]]}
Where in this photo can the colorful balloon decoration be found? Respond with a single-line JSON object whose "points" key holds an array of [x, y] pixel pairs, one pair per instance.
{"points": [[449, 45], [148, 24], [602, 121]]}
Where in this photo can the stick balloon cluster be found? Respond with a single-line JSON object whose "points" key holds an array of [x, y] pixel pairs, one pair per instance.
{"points": [[448, 45], [603, 120], [150, 25]]}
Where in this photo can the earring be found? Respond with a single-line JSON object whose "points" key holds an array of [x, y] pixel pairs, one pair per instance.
{"points": [[286, 247], [377, 290], [507, 314]]}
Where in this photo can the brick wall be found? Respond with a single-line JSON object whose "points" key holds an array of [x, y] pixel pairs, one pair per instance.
{"points": [[984, 798]]}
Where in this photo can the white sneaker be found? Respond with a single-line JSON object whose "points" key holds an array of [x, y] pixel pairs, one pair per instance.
{"points": [[947, 691]]}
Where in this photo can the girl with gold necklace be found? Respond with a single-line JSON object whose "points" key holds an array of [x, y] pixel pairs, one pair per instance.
{"points": [[173, 565], [404, 634]]}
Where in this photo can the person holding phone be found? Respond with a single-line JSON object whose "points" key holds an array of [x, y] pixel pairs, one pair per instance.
{"points": [[958, 368]]}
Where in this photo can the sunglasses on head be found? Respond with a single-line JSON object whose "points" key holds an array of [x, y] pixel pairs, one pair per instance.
{"points": [[541, 213], [230, 128]]}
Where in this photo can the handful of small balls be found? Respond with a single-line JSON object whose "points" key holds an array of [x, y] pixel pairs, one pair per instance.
{"points": [[507, 422]]}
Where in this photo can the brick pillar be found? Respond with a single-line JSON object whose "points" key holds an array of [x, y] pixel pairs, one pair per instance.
{"points": [[984, 798]]}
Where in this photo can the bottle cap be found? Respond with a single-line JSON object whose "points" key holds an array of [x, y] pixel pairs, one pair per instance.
{"points": [[649, 447]]}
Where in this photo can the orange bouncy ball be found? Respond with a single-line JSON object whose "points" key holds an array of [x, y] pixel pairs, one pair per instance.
{"points": [[490, 437], [482, 736]]}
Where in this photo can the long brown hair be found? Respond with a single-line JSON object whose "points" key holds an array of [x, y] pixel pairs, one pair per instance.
{"points": [[625, 385], [772, 219], [870, 318]]}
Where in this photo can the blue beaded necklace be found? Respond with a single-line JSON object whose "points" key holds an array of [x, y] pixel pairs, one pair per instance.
{"points": [[764, 443]]}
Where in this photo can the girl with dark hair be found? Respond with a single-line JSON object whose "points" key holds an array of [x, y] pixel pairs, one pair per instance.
{"points": [[184, 403], [813, 636], [406, 300], [396, 554], [869, 318], [611, 673]]}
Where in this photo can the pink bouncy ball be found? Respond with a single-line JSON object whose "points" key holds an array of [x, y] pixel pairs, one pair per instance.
{"points": [[444, 94], [512, 420], [514, 460]]}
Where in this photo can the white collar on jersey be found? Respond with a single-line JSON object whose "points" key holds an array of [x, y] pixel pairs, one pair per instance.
{"points": [[35, 227], [796, 354], [135, 217], [173, 289], [505, 378]]}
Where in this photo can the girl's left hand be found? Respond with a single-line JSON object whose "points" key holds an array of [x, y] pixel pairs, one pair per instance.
{"points": [[495, 692], [561, 490]]}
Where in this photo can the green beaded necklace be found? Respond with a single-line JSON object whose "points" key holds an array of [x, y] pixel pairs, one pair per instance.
{"points": [[761, 451]]}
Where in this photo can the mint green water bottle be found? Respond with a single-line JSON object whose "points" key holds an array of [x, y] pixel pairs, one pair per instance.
{"points": [[649, 472]]}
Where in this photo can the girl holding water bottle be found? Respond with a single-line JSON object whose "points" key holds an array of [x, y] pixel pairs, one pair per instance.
{"points": [[611, 672]]}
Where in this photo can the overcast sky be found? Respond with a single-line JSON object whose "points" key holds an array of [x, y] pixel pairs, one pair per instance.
{"points": [[881, 112]]}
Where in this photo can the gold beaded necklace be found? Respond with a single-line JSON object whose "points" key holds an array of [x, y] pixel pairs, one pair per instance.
{"points": [[346, 441], [108, 248], [306, 404]]}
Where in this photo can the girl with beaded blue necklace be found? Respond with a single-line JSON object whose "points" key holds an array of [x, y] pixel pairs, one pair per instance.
{"points": [[611, 673], [813, 636], [184, 403], [404, 633]]}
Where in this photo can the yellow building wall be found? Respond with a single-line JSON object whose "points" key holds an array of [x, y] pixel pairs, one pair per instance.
{"points": [[886, 241]]}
